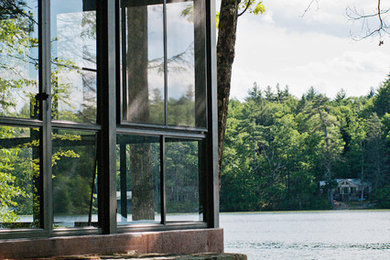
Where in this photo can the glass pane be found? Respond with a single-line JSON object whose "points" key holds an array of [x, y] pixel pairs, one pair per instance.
{"points": [[138, 179], [182, 180], [144, 80], [74, 178], [181, 65], [18, 58], [20, 180], [73, 32]]}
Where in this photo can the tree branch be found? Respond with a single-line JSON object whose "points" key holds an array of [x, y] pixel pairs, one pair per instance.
{"points": [[246, 8], [309, 6], [354, 15]]}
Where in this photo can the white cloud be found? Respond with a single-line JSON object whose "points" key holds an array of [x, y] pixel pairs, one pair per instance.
{"points": [[292, 53], [267, 17]]}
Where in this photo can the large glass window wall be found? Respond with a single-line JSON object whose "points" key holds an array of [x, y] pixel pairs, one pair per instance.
{"points": [[159, 180], [60, 104], [163, 67]]}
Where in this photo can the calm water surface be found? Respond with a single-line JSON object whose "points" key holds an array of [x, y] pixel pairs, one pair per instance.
{"points": [[308, 235]]}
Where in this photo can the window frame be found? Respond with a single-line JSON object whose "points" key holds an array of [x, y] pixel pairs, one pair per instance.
{"points": [[200, 67], [109, 124]]}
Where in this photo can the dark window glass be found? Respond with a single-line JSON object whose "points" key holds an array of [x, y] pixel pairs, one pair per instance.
{"points": [[138, 179], [145, 65], [181, 65], [18, 58], [74, 178], [73, 32], [182, 178], [144, 62], [20, 189]]}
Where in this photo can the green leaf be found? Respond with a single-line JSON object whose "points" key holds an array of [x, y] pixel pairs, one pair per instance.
{"points": [[259, 8]]}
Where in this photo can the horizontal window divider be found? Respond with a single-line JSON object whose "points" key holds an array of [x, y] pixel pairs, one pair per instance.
{"points": [[163, 127], [162, 227], [20, 122], [23, 233], [150, 2], [75, 126], [157, 132], [76, 231]]}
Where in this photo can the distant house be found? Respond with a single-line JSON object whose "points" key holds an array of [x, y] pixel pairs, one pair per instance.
{"points": [[350, 189]]}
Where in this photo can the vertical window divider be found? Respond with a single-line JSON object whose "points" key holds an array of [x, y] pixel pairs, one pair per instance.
{"points": [[162, 180], [123, 179], [199, 7], [212, 179], [165, 62], [124, 64], [46, 207], [106, 115]]}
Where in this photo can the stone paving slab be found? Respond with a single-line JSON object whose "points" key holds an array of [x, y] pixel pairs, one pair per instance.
{"points": [[207, 256]]}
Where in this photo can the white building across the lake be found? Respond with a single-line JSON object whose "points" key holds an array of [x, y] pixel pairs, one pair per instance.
{"points": [[350, 189]]}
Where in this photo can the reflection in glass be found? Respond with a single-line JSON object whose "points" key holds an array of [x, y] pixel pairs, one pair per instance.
{"points": [[181, 65], [138, 179], [18, 58], [73, 31], [74, 178], [20, 187], [144, 91], [182, 180]]}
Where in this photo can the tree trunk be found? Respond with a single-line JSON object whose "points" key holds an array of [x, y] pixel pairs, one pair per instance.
{"points": [[225, 57], [141, 174]]}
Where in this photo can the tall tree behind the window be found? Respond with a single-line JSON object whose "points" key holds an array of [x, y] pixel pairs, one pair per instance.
{"points": [[227, 24], [138, 111]]}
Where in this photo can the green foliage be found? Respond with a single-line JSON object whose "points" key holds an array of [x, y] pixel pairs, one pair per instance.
{"points": [[188, 12], [20, 147], [182, 176], [253, 6], [16, 45], [382, 197], [279, 147], [18, 168], [382, 99]]}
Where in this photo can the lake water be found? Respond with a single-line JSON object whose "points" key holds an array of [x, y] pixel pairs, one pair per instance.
{"points": [[308, 235]]}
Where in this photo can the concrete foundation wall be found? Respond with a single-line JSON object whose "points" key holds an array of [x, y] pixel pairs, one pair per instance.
{"points": [[166, 242]]}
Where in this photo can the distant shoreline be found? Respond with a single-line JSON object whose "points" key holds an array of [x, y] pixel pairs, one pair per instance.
{"points": [[303, 211]]}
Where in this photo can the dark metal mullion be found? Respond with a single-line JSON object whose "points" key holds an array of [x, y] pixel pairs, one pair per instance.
{"points": [[93, 190], [162, 180], [123, 92], [20, 122], [199, 10], [212, 179], [165, 62], [123, 179], [134, 3], [76, 126], [106, 88], [118, 53], [122, 130], [163, 127], [45, 114], [177, 225]]}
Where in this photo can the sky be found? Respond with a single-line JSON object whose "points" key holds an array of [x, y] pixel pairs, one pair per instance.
{"points": [[319, 49]]}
